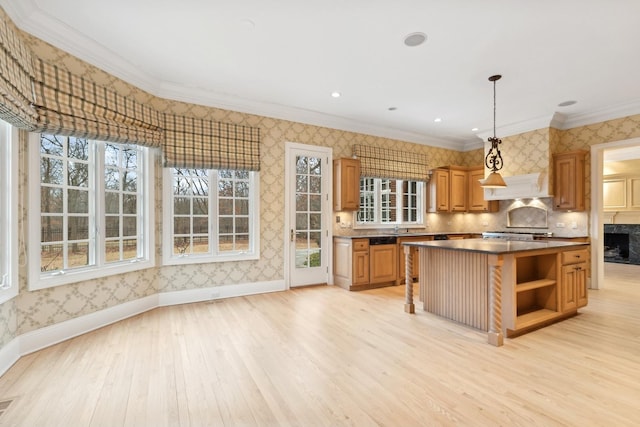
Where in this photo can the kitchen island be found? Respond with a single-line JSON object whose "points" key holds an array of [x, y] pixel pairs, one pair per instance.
{"points": [[503, 287]]}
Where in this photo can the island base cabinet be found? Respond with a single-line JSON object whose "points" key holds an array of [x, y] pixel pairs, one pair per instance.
{"points": [[574, 287]]}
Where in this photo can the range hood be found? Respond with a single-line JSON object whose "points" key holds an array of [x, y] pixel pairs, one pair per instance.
{"points": [[521, 187]]}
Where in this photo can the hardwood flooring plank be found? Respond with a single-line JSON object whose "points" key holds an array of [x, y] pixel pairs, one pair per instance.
{"points": [[323, 356]]}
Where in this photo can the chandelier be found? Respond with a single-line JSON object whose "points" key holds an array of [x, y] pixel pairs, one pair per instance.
{"points": [[493, 160]]}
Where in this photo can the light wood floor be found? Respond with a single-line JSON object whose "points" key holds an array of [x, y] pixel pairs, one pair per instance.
{"points": [[327, 357]]}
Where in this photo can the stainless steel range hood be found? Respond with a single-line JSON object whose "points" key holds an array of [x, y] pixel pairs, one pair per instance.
{"points": [[521, 187]]}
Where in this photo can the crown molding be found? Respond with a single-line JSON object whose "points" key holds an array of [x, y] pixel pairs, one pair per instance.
{"points": [[602, 115]]}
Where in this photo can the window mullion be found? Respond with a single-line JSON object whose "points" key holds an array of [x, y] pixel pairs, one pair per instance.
{"points": [[97, 204], [214, 209]]}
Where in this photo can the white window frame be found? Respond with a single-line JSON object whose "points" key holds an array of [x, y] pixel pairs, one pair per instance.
{"points": [[377, 206], [99, 268], [168, 256], [8, 212]]}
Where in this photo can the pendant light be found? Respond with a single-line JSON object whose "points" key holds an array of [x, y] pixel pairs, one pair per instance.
{"points": [[493, 160]]}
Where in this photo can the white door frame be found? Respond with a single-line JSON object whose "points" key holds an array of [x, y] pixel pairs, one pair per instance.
{"points": [[327, 206], [597, 225]]}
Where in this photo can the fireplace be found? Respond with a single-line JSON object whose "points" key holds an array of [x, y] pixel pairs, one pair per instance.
{"points": [[622, 243], [616, 247]]}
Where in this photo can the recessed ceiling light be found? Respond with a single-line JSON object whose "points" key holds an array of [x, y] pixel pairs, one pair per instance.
{"points": [[437, 120], [336, 94], [566, 103], [415, 39], [392, 108], [474, 129]]}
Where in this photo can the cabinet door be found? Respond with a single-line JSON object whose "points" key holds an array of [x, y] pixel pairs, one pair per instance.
{"points": [[383, 261], [346, 184], [582, 295], [360, 268], [568, 186], [477, 203], [458, 190], [568, 295], [574, 286], [439, 191]]}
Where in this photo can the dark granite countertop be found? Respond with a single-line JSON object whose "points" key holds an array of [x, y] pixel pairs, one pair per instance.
{"points": [[496, 246], [410, 234]]}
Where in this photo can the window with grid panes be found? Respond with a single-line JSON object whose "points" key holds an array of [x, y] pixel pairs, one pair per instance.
{"points": [[389, 202]]}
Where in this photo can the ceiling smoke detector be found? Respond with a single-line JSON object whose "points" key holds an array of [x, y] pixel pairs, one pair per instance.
{"points": [[415, 39]]}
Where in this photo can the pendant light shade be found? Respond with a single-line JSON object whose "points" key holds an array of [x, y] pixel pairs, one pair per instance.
{"points": [[493, 160]]}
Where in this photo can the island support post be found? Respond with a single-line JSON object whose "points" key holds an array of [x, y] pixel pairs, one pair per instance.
{"points": [[409, 307]]}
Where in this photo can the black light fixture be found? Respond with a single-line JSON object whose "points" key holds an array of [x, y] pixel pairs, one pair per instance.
{"points": [[493, 160]]}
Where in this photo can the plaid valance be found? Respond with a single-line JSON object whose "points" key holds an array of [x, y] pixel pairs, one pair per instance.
{"points": [[67, 104], [16, 77], [199, 143], [378, 162]]}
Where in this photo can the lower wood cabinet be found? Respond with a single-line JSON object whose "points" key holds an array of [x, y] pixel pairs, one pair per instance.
{"points": [[574, 292], [383, 263]]}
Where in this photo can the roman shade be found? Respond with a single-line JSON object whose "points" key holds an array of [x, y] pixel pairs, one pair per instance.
{"points": [[199, 143], [16, 78], [376, 162], [67, 104]]}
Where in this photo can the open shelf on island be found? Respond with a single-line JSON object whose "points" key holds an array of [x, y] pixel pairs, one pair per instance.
{"points": [[534, 284], [536, 290], [534, 317]]}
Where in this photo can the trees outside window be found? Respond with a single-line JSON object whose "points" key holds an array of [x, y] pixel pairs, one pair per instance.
{"points": [[390, 202]]}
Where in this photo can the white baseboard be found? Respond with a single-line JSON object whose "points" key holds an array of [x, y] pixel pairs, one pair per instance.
{"points": [[9, 354], [218, 292], [50, 335]]}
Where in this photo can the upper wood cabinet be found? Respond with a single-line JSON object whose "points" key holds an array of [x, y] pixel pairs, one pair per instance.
{"points": [[346, 184], [457, 189], [477, 202], [568, 180], [439, 191]]}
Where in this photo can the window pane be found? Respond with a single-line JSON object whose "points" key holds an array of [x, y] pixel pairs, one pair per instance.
{"points": [[242, 189], [225, 189], [78, 254], [112, 226], [112, 179], [129, 249], [301, 221], [112, 203], [200, 206], [302, 184], [130, 179], [181, 205], [181, 245], [242, 242], [78, 228], [51, 257], [112, 250], [78, 174], [181, 225], [111, 153], [51, 200], [302, 202], [51, 170], [225, 207], [129, 203], [315, 221], [242, 225], [242, 207], [315, 203], [200, 187], [315, 184], [200, 225], [200, 244], [51, 229], [52, 144], [225, 243], [226, 225], [78, 201], [129, 226], [315, 166]]}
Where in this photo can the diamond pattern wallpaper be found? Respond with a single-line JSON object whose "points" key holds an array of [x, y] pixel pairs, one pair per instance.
{"points": [[33, 310]]}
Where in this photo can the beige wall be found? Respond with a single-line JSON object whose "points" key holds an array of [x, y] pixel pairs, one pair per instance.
{"points": [[34, 310]]}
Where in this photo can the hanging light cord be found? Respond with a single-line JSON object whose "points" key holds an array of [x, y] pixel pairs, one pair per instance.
{"points": [[493, 160]]}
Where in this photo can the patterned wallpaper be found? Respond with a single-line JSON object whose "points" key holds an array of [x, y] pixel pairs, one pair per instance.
{"points": [[33, 310]]}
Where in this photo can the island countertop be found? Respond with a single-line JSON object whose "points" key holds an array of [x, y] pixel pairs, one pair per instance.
{"points": [[495, 246]]}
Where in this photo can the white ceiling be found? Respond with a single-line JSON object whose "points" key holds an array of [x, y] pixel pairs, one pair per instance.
{"points": [[284, 58]]}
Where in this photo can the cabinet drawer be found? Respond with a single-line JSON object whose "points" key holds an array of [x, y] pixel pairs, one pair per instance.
{"points": [[361, 245], [572, 257]]}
